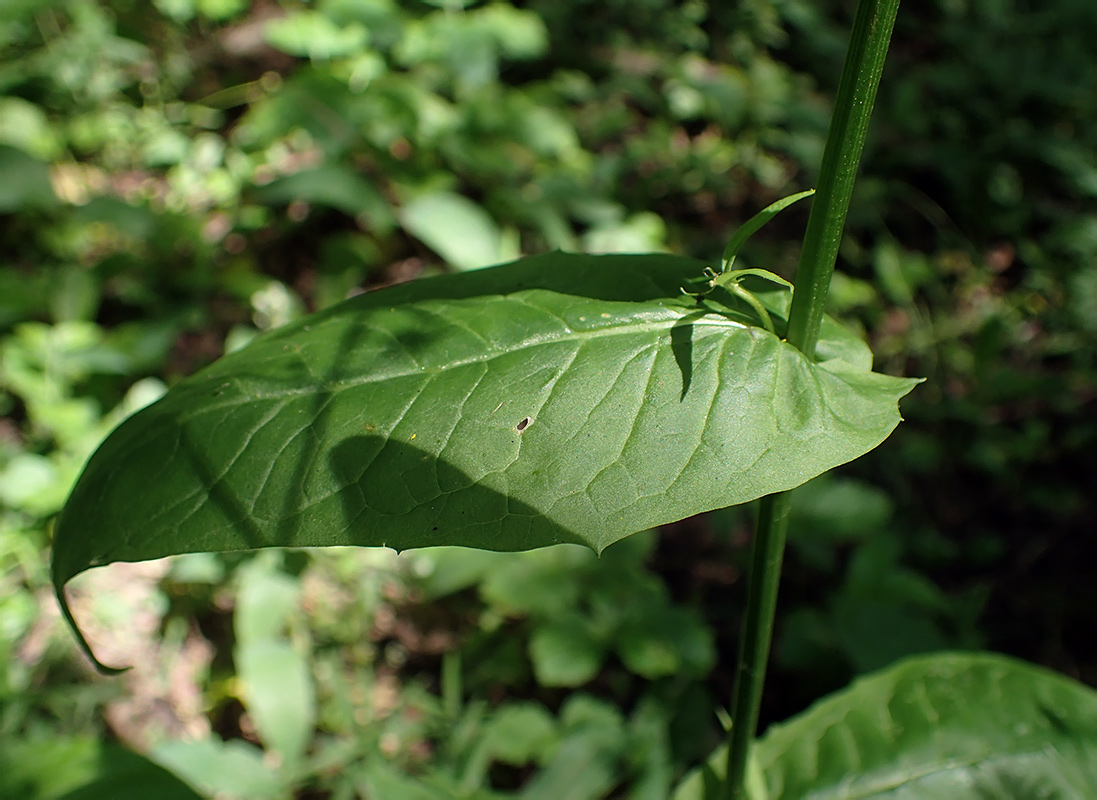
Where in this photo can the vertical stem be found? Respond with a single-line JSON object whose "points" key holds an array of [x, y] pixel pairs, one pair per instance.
{"points": [[451, 684], [765, 576], [868, 47], [845, 140]]}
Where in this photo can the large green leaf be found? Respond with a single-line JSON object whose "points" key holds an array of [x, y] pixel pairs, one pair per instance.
{"points": [[562, 398], [953, 726]]}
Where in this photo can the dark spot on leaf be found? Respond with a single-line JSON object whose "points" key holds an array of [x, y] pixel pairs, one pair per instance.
{"points": [[521, 426]]}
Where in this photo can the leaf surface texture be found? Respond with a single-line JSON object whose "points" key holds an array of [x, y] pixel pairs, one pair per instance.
{"points": [[562, 398]]}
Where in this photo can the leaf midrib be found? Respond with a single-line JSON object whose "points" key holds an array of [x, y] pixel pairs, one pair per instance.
{"points": [[710, 320]]}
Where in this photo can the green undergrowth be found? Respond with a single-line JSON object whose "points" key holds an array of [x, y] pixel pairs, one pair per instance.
{"points": [[179, 176]]}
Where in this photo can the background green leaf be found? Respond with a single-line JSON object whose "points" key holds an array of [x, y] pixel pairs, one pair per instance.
{"points": [[231, 769], [314, 35], [332, 185], [953, 726], [566, 652], [274, 675], [26, 182], [81, 768], [456, 228]]}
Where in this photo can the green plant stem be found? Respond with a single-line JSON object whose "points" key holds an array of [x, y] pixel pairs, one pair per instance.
{"points": [[765, 575], [848, 127], [868, 46]]}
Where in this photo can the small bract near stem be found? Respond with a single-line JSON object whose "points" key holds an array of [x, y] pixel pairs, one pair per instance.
{"points": [[752, 225], [731, 279]]}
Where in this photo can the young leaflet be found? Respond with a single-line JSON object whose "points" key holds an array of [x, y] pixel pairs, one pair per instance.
{"points": [[731, 279]]}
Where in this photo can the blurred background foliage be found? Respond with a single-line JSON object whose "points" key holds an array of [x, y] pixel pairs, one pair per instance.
{"points": [[177, 176]]}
